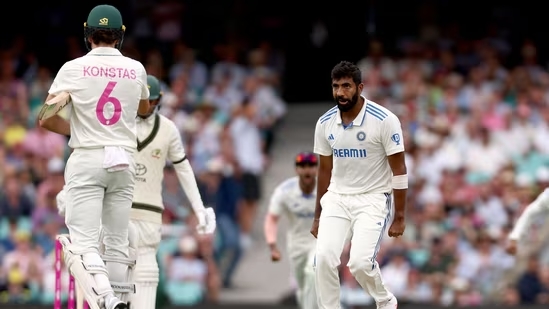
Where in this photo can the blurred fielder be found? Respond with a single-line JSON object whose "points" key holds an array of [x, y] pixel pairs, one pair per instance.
{"points": [[295, 198], [361, 165], [107, 91], [539, 206], [158, 140]]}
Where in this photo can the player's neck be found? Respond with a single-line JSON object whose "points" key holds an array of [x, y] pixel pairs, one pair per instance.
{"points": [[93, 46], [350, 115], [305, 188]]}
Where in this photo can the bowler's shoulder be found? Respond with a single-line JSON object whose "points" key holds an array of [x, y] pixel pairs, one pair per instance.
{"points": [[379, 112], [327, 116]]}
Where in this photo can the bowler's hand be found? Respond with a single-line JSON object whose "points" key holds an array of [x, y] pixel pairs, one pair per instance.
{"points": [[314, 228], [397, 227], [511, 247], [275, 254]]}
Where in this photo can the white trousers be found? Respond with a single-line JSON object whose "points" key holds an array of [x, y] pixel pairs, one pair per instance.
{"points": [[94, 197], [303, 270], [364, 218], [146, 272]]}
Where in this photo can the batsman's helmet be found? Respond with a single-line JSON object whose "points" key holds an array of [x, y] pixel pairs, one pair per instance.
{"points": [[154, 88], [104, 17]]}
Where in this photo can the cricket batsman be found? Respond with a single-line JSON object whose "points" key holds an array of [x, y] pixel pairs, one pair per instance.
{"points": [[107, 91], [361, 168], [295, 198], [538, 207], [158, 140]]}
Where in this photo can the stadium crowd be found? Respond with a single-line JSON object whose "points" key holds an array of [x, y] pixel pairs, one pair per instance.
{"points": [[475, 132]]}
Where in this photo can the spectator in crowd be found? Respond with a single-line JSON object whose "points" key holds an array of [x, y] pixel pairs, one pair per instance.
{"points": [[187, 274], [247, 141]]}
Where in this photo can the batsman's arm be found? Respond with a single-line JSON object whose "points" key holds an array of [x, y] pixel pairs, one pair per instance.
{"points": [[56, 123], [537, 207], [399, 183], [143, 108], [324, 150], [144, 104], [65, 80], [183, 169]]}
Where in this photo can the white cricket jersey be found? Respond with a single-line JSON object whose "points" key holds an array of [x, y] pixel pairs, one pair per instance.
{"points": [[158, 141], [538, 207], [289, 200], [360, 149], [105, 89]]}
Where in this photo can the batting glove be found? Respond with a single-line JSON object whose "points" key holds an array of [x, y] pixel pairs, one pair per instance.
{"points": [[206, 221]]}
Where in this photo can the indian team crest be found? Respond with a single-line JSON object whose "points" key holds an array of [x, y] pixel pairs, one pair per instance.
{"points": [[396, 138], [156, 153], [361, 136]]}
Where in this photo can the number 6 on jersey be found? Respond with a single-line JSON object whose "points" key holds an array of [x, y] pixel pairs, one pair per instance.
{"points": [[103, 101]]}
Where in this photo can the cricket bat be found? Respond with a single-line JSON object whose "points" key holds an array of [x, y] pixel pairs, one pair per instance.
{"points": [[54, 106]]}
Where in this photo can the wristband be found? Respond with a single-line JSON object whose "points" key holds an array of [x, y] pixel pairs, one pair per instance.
{"points": [[400, 182]]}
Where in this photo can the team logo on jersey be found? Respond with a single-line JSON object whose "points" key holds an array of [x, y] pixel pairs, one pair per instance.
{"points": [[156, 153], [361, 136], [396, 138], [140, 169]]}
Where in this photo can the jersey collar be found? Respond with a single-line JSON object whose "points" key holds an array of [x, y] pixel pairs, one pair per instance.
{"points": [[359, 120], [104, 51]]}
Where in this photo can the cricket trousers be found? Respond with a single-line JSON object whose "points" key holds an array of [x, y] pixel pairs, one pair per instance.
{"points": [[146, 273], [363, 217], [303, 270], [96, 197]]}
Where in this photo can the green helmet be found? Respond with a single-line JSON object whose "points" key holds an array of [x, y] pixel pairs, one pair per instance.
{"points": [[154, 87], [104, 17]]}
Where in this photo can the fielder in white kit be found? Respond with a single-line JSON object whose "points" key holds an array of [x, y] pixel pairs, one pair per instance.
{"points": [[361, 165], [295, 198], [540, 206], [107, 91], [158, 140]]}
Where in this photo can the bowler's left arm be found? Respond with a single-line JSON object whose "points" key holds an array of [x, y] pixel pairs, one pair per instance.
{"points": [[393, 143]]}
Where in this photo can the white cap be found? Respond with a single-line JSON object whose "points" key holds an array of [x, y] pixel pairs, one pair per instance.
{"points": [[542, 174], [215, 165], [430, 194], [523, 181], [188, 244], [459, 284], [56, 165]]}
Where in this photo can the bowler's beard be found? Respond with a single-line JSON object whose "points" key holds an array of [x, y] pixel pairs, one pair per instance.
{"points": [[349, 105]]}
